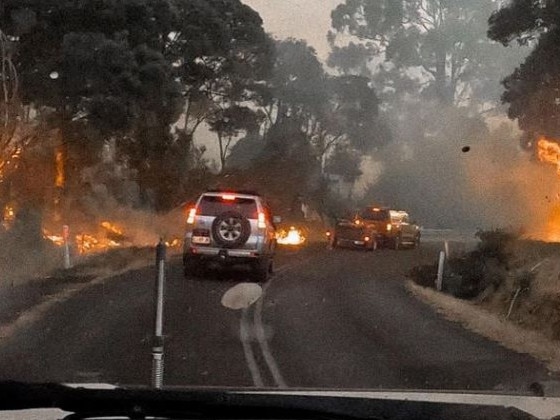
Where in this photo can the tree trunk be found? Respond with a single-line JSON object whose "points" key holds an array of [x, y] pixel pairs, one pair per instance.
{"points": [[442, 90], [222, 153]]}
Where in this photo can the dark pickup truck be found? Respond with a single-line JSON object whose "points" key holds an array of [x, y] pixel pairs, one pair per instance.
{"points": [[375, 227]]}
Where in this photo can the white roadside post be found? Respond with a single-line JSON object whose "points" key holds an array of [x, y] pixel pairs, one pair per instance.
{"points": [[66, 237], [157, 348], [441, 262]]}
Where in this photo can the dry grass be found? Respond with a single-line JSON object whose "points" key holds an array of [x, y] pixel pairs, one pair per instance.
{"points": [[491, 326]]}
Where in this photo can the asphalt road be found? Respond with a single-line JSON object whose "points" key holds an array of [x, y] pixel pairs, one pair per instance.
{"points": [[327, 319]]}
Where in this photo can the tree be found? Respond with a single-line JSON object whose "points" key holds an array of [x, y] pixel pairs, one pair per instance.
{"points": [[10, 108], [434, 47], [352, 112], [124, 70], [533, 89], [228, 122], [94, 64], [328, 109], [221, 55], [344, 162], [297, 86], [18, 131]]}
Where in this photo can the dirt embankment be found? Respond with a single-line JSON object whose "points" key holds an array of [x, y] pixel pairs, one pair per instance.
{"points": [[507, 289]]}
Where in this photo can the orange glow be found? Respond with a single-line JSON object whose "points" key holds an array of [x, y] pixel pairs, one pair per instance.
{"points": [[175, 242], [10, 161], [9, 215], [552, 233], [59, 162], [111, 228], [548, 151], [292, 237], [56, 239], [106, 236]]}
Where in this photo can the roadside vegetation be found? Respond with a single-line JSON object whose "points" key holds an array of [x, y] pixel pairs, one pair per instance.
{"points": [[514, 278]]}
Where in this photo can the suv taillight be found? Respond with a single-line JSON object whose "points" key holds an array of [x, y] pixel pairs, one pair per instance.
{"points": [[261, 221], [190, 218]]}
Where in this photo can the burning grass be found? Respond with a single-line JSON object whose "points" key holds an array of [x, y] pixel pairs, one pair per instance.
{"points": [[292, 236], [138, 230]]}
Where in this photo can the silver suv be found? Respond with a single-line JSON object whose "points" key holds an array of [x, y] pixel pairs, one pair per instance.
{"points": [[229, 228]]}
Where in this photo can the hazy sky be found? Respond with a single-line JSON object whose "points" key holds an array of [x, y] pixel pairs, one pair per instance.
{"points": [[306, 19]]}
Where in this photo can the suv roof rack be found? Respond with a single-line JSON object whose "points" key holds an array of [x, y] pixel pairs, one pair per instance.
{"points": [[232, 190]]}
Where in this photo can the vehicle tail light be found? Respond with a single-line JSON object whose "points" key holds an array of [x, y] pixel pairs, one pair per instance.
{"points": [[328, 233], [228, 197], [389, 227], [366, 239], [261, 221], [357, 222], [190, 218]]}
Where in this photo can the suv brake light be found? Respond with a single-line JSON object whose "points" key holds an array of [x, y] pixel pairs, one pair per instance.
{"points": [[190, 218], [261, 221], [228, 197]]}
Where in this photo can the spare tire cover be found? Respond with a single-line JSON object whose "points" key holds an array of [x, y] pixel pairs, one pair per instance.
{"points": [[231, 229]]}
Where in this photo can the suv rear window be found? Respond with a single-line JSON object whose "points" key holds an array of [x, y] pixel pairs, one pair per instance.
{"points": [[216, 205], [371, 214]]}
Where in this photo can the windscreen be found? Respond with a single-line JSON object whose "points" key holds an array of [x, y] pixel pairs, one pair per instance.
{"points": [[216, 205], [127, 125], [373, 214]]}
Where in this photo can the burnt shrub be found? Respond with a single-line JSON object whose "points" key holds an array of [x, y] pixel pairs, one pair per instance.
{"points": [[465, 275], [424, 275], [469, 275], [497, 243]]}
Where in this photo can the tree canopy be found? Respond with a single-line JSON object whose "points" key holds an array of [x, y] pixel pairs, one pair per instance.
{"points": [[128, 69], [434, 47], [533, 89]]}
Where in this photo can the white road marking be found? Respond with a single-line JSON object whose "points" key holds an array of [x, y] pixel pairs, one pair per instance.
{"points": [[259, 333], [245, 336]]}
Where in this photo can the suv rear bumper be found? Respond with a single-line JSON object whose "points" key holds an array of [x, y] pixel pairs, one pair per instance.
{"points": [[222, 255]]}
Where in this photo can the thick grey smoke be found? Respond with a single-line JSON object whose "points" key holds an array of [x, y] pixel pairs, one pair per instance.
{"points": [[454, 171]]}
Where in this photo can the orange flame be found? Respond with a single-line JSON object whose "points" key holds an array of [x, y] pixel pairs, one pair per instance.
{"points": [[59, 162], [549, 151], [111, 228], [292, 236], [12, 160], [8, 217], [553, 225]]}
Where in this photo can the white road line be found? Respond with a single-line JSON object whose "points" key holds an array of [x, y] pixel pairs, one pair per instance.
{"points": [[259, 332], [245, 336]]}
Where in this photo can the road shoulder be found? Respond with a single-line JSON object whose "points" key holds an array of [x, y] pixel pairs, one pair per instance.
{"points": [[489, 325]]}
